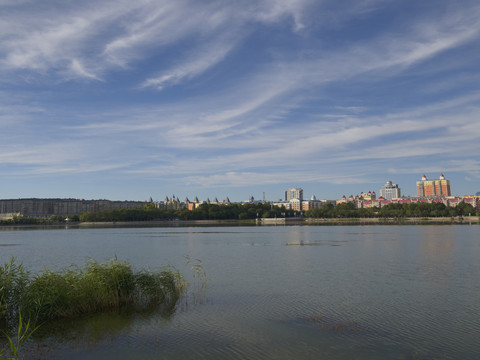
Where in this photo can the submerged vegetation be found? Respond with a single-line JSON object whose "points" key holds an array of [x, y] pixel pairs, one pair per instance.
{"points": [[13, 348], [74, 291], [67, 301]]}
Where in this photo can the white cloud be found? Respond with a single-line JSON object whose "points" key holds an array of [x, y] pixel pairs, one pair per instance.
{"points": [[92, 37], [273, 10], [239, 179], [256, 128], [77, 68], [197, 63]]}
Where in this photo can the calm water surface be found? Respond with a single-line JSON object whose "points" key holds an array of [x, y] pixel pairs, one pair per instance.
{"points": [[286, 292]]}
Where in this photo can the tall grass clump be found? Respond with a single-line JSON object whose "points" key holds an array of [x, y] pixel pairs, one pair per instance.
{"points": [[13, 281], [74, 291], [12, 350]]}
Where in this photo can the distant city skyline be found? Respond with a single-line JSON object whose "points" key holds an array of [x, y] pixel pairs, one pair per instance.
{"points": [[282, 196], [130, 100]]}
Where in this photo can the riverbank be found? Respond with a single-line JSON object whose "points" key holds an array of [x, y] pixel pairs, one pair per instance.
{"points": [[147, 223], [168, 223], [467, 220]]}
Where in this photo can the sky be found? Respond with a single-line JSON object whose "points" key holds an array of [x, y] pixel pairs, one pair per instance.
{"points": [[127, 100]]}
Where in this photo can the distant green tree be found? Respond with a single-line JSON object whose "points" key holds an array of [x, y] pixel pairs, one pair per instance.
{"points": [[464, 209], [149, 206]]}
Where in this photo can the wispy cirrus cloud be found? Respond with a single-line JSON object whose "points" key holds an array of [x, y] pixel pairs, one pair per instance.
{"points": [[195, 64], [314, 145], [252, 92], [246, 179], [87, 39], [54, 38]]}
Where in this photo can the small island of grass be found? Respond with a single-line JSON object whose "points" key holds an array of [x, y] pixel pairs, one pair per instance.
{"points": [[74, 291]]}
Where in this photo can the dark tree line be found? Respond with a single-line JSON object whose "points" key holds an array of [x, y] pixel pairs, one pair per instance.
{"points": [[348, 210], [253, 211], [203, 212], [23, 220]]}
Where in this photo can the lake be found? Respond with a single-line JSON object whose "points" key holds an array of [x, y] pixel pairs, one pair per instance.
{"points": [[275, 292]]}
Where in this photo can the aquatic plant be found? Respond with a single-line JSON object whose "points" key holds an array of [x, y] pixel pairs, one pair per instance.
{"points": [[23, 333], [200, 282], [74, 291], [13, 280], [199, 274], [161, 286]]}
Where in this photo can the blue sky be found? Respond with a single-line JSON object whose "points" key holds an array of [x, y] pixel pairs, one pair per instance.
{"points": [[131, 99]]}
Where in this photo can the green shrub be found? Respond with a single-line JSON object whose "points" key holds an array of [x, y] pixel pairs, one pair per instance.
{"points": [[74, 291], [13, 281]]}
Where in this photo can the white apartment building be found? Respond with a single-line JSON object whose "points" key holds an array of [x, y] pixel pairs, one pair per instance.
{"points": [[295, 193], [390, 191]]}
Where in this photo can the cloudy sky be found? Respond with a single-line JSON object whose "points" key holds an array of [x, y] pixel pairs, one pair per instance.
{"points": [[132, 99]]}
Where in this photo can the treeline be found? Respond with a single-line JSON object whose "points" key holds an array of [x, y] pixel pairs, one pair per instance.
{"points": [[253, 211], [203, 212], [348, 210], [21, 220]]}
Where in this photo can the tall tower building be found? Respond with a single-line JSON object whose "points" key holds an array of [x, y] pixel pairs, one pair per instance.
{"points": [[428, 188], [390, 191], [296, 193], [443, 186]]}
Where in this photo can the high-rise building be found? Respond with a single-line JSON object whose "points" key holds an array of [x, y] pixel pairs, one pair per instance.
{"points": [[390, 191], [295, 193], [429, 188]]}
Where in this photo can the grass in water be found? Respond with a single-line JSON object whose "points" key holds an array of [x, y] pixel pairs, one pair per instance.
{"points": [[12, 349], [74, 291], [13, 281]]}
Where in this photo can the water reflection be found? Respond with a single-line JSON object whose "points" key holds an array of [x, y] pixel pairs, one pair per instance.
{"points": [[387, 292], [67, 337], [437, 244]]}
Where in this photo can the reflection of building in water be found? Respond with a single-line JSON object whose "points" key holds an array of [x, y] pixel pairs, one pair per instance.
{"points": [[437, 245], [428, 188]]}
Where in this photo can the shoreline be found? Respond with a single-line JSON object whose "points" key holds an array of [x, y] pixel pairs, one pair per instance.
{"points": [[467, 220]]}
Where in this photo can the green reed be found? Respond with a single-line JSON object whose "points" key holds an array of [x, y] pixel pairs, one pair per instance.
{"points": [[13, 281], [74, 291], [12, 350]]}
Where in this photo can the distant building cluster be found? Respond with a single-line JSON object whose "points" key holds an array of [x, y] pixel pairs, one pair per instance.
{"points": [[429, 188], [294, 200], [452, 201], [64, 207], [390, 191], [174, 203], [428, 191], [371, 195], [294, 194]]}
